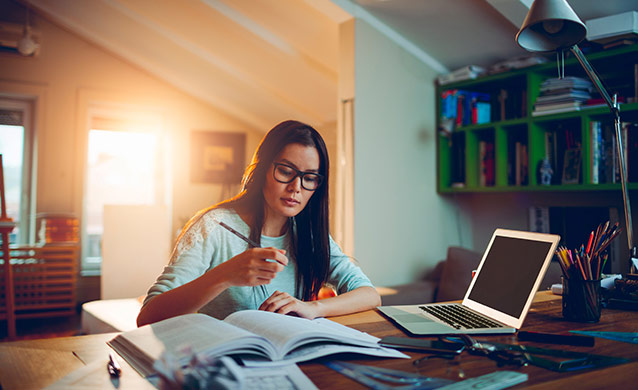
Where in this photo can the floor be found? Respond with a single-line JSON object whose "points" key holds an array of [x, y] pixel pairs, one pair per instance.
{"points": [[39, 328]]}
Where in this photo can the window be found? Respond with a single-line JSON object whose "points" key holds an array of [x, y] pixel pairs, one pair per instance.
{"points": [[123, 168], [16, 140]]}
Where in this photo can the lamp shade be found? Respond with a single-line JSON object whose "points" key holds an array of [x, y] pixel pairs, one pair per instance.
{"points": [[550, 25]]}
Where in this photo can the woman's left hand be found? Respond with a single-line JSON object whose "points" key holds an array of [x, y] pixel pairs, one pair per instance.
{"points": [[284, 303]]}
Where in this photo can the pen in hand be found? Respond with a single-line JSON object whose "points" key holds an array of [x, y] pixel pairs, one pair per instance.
{"points": [[238, 234], [113, 366], [250, 242]]}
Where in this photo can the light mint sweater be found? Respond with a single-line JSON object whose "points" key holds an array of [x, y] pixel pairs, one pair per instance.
{"points": [[206, 245]]}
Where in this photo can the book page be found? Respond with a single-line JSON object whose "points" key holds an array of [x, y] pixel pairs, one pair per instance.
{"points": [[288, 332], [199, 332], [317, 350]]}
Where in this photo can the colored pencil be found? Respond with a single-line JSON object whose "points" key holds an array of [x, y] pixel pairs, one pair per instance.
{"points": [[588, 261]]}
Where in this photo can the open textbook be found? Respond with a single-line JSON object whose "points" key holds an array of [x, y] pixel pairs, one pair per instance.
{"points": [[258, 337]]}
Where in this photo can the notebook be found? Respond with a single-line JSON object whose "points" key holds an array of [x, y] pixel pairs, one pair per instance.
{"points": [[499, 295]]}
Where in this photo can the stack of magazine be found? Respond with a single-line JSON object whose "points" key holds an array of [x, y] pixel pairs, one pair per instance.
{"points": [[468, 72], [561, 95]]}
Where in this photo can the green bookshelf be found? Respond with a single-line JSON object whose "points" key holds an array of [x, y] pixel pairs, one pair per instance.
{"points": [[504, 153]]}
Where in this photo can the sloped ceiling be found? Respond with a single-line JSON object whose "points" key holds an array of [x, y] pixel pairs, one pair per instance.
{"points": [[261, 61], [264, 61]]}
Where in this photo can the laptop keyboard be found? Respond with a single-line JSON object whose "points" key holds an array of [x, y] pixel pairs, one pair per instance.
{"points": [[459, 317]]}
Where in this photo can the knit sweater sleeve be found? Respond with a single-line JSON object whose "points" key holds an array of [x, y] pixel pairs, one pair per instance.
{"points": [[344, 275]]}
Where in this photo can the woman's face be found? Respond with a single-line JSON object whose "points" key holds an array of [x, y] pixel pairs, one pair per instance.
{"points": [[289, 199]]}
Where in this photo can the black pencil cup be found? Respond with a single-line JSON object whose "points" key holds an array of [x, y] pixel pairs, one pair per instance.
{"points": [[581, 300]]}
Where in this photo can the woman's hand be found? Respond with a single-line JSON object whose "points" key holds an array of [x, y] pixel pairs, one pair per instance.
{"points": [[254, 267], [284, 303]]}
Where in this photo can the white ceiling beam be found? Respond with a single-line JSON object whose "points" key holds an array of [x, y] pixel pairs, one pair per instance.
{"points": [[513, 10], [330, 9], [360, 13]]}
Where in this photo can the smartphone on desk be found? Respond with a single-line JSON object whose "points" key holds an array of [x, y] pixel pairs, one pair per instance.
{"points": [[422, 345]]}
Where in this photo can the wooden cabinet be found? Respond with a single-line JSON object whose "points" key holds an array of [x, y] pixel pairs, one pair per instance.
{"points": [[44, 281]]}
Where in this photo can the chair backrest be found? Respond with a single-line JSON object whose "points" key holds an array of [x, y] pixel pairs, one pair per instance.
{"points": [[457, 273]]}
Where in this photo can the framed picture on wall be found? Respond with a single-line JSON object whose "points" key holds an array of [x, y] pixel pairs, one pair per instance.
{"points": [[217, 157]]}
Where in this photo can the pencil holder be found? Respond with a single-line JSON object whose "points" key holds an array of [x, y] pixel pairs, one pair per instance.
{"points": [[581, 300]]}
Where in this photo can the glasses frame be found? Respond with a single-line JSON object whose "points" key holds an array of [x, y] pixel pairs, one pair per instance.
{"points": [[299, 174]]}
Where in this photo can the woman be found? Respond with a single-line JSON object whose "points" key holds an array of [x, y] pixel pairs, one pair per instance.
{"points": [[283, 209]]}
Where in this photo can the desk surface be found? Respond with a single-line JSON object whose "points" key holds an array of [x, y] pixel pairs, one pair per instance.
{"points": [[34, 364]]}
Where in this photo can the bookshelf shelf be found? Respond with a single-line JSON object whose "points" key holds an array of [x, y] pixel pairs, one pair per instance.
{"points": [[495, 142]]}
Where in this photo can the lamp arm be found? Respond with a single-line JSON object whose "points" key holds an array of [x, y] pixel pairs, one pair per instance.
{"points": [[593, 76], [613, 106]]}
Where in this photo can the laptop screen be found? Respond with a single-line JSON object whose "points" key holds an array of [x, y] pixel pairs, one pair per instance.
{"points": [[509, 273]]}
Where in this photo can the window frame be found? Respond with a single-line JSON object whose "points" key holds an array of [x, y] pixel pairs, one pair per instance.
{"points": [[123, 118], [27, 219]]}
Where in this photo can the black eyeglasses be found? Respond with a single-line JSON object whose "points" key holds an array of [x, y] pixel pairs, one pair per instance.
{"points": [[285, 174]]}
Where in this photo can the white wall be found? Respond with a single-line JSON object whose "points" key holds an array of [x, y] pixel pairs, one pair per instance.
{"points": [[401, 225]]}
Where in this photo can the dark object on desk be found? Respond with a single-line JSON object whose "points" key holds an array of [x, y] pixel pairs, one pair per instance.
{"points": [[582, 300], [113, 366], [622, 304], [422, 345], [574, 360], [552, 338], [627, 286], [624, 295]]}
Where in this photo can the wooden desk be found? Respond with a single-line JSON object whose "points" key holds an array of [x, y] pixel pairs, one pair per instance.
{"points": [[34, 364]]}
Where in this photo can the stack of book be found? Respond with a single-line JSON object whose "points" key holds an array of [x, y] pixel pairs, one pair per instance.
{"points": [[58, 229], [468, 72], [561, 95]]}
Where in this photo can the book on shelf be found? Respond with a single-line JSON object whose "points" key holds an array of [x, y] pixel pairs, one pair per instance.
{"points": [[570, 96], [257, 337], [604, 162], [555, 111], [486, 155], [565, 83], [621, 42], [595, 159], [512, 103], [465, 107], [562, 95], [631, 133], [521, 165], [556, 106], [457, 162], [571, 166]]}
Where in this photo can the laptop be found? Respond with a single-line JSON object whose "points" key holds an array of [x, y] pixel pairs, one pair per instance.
{"points": [[499, 295]]}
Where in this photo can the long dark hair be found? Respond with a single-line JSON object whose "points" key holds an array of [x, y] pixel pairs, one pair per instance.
{"points": [[308, 230]]}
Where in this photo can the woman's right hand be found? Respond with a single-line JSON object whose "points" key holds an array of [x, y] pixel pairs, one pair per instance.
{"points": [[253, 267]]}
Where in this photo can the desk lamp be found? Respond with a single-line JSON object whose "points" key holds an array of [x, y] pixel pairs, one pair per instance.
{"points": [[553, 26]]}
